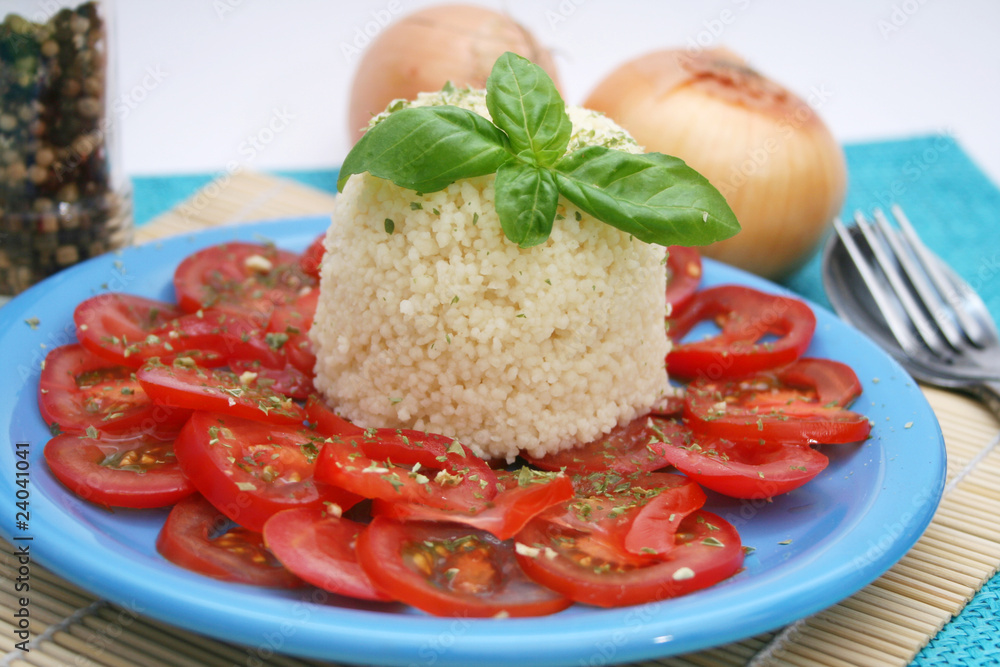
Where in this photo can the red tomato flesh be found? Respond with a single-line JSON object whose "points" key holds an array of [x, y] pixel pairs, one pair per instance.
{"points": [[78, 391], [631, 517], [209, 389], [289, 331], [129, 330], [449, 570], [312, 258], [408, 466], [627, 448], [747, 469], [138, 471], [764, 407], [287, 381], [683, 276], [745, 317], [523, 495], [121, 327], [198, 537], [318, 546], [326, 422], [250, 278], [707, 550], [250, 470]]}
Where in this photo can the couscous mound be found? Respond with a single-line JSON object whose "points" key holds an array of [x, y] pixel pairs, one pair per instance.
{"points": [[430, 318]]}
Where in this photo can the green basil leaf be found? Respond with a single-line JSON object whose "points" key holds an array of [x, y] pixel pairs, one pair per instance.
{"points": [[427, 148], [655, 197], [526, 202], [525, 103]]}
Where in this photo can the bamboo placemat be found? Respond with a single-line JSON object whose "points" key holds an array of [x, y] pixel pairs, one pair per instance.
{"points": [[886, 623]]}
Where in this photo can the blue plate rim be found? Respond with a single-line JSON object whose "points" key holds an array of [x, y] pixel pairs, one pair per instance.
{"points": [[814, 579]]}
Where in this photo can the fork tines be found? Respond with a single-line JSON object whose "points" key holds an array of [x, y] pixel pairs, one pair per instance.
{"points": [[923, 304]]}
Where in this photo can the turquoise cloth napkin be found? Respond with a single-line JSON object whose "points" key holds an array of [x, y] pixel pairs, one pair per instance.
{"points": [[955, 209]]}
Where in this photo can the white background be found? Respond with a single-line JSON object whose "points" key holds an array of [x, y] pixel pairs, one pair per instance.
{"points": [[199, 77]]}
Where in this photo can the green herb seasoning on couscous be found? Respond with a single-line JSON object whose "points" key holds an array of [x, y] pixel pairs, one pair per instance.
{"points": [[518, 302]]}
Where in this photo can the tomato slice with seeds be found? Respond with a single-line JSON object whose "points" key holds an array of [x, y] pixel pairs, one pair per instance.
{"points": [[129, 330], [747, 469], [138, 471], [707, 550], [318, 546], [79, 391], [250, 470], [116, 326], [523, 495], [636, 446], [211, 389], [243, 277], [430, 450], [289, 330], [801, 404], [287, 381], [449, 570], [746, 318], [683, 276], [630, 517], [199, 538], [407, 466], [835, 384]]}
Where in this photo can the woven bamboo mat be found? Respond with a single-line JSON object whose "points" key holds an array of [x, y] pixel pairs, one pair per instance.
{"points": [[886, 623]]}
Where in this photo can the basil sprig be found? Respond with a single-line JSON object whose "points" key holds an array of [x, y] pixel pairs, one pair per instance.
{"points": [[654, 197]]}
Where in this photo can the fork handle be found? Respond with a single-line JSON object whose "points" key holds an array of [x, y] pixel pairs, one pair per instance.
{"points": [[989, 394]]}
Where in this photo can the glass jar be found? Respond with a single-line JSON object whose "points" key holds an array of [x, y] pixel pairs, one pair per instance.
{"points": [[63, 194]]}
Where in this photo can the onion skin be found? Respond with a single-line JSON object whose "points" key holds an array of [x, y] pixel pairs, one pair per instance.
{"points": [[423, 51], [765, 149]]}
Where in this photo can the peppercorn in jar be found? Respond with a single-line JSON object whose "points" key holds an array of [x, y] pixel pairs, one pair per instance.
{"points": [[63, 197]]}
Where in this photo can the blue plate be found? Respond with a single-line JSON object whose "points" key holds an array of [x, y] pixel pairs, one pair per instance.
{"points": [[812, 547]]}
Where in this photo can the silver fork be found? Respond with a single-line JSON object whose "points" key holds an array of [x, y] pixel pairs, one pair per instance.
{"points": [[884, 280]]}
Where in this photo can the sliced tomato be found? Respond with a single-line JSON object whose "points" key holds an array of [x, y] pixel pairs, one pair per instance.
{"points": [[117, 326], [683, 276], [138, 471], [129, 330], [430, 450], [226, 335], [250, 470], [626, 449], [631, 517], [407, 466], [318, 545], [210, 389], [312, 258], [244, 277], [287, 381], [326, 422], [290, 326], [669, 406], [768, 407], [449, 570], [747, 319], [835, 384], [79, 391], [707, 550], [747, 469], [198, 537], [523, 495]]}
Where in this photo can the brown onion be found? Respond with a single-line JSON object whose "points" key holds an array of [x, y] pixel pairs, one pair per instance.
{"points": [[764, 148], [423, 51]]}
